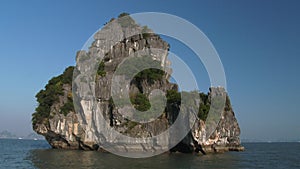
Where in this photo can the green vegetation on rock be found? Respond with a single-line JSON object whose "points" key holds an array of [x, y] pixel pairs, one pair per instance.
{"points": [[126, 21], [173, 96], [123, 14], [101, 71], [228, 104], [140, 102], [203, 111], [150, 75], [204, 107], [146, 32], [50, 95], [135, 64]]}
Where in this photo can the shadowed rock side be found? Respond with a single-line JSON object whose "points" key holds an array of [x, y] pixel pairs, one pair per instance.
{"points": [[55, 117]]}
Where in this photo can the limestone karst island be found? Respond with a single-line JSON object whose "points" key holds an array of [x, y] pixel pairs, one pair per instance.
{"points": [[69, 123]]}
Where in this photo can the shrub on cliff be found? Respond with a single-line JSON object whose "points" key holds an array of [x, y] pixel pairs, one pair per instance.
{"points": [[140, 102], [101, 71], [173, 96], [150, 75], [203, 111], [126, 21], [48, 96]]}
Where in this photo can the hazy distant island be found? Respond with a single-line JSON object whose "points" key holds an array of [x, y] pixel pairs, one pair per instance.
{"points": [[56, 120], [9, 135]]}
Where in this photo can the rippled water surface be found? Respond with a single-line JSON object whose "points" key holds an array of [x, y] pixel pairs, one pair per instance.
{"points": [[37, 154]]}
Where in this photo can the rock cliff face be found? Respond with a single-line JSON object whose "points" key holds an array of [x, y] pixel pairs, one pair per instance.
{"points": [[65, 129]]}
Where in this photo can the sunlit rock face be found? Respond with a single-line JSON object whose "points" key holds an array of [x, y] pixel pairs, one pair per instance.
{"points": [[84, 128]]}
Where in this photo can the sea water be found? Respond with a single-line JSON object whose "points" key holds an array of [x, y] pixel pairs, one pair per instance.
{"points": [[38, 154]]}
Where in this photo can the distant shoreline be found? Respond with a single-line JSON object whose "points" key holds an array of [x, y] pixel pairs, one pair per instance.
{"points": [[37, 139]]}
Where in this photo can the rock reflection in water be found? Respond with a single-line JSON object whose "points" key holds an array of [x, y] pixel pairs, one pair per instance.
{"points": [[58, 159]]}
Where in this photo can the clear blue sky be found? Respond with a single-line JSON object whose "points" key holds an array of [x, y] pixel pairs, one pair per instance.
{"points": [[258, 43]]}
